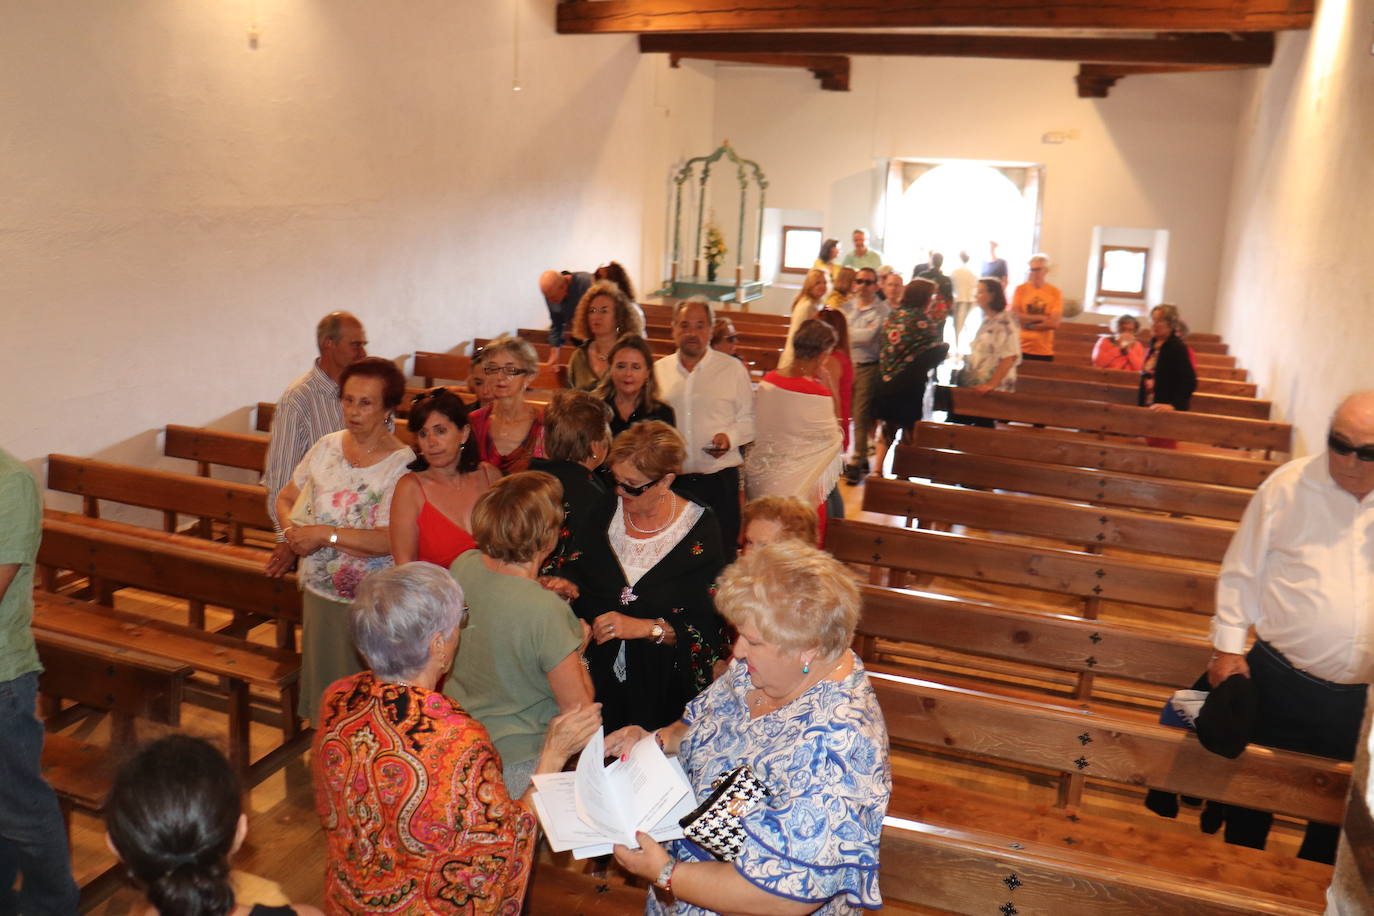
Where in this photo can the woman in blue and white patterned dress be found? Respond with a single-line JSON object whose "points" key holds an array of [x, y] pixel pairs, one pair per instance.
{"points": [[797, 708]]}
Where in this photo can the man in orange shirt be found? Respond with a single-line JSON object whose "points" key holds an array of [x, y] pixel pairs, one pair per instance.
{"points": [[1038, 306]]}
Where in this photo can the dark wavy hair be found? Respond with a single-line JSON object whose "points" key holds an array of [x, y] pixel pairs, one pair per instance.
{"points": [[172, 816], [998, 294], [451, 406]]}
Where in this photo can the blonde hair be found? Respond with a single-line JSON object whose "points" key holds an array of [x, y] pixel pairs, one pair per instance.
{"points": [[812, 276], [1169, 314], [626, 316], [796, 519], [652, 446], [796, 596], [519, 518]]}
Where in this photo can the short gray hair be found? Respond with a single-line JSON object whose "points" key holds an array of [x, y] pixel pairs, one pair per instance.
{"points": [[699, 301], [396, 614]]}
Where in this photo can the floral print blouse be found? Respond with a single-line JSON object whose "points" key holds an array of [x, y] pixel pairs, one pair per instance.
{"points": [[343, 496]]}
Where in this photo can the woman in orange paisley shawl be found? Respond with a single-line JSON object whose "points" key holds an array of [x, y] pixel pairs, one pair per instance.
{"points": [[407, 784]]}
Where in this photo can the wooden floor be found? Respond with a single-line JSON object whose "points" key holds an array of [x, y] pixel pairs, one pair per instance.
{"points": [[286, 846]]}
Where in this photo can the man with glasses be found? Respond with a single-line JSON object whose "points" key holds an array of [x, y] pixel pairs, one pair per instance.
{"points": [[307, 410], [1038, 306], [866, 315], [713, 400], [1300, 571]]}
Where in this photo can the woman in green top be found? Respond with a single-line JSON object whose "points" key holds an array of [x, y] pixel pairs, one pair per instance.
{"points": [[601, 317], [520, 661]]}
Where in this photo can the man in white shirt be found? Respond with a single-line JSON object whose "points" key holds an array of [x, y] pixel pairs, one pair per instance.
{"points": [[865, 313], [714, 402], [965, 286], [1300, 571], [307, 410]]}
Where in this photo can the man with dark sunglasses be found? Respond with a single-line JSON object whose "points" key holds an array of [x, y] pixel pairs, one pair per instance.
{"points": [[1300, 571], [865, 313]]}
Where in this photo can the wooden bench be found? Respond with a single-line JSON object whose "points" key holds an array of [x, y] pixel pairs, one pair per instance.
{"points": [[1222, 404], [1090, 329], [1085, 373], [1203, 343], [235, 504], [208, 447], [244, 666], [1074, 450], [1091, 527], [266, 410], [1120, 419], [430, 366], [562, 892], [1084, 485]]}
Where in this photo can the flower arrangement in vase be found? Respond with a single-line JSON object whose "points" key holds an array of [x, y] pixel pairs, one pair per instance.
{"points": [[715, 249]]}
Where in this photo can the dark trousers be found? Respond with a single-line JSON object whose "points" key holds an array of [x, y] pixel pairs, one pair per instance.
{"points": [[1297, 712], [720, 491], [1038, 357], [33, 840], [555, 328]]}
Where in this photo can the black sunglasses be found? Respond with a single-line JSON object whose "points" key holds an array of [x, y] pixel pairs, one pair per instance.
{"points": [[865, 282], [630, 491], [1343, 448]]}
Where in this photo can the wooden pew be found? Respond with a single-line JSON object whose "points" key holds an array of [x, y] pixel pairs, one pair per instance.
{"points": [[1089, 577], [1157, 494], [1119, 419], [1222, 404], [1091, 329], [208, 447], [430, 366], [1049, 447], [1086, 373], [564, 892], [1085, 526], [171, 494], [1080, 349], [1199, 343], [244, 666]]}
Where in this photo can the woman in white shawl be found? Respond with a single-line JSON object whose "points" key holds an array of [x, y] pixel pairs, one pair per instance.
{"points": [[797, 443]]}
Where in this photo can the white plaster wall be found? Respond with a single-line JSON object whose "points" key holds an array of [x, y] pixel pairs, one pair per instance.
{"points": [[179, 208], [1156, 153], [1296, 299]]}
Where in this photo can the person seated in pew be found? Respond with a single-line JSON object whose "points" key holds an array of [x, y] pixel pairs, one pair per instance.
{"points": [[796, 709], [631, 388], [407, 783], [1120, 349], [724, 337], [175, 818], [510, 431], [33, 842], [577, 439], [308, 410], [770, 519], [1168, 378], [431, 507], [994, 353], [338, 507], [477, 381], [603, 315]]}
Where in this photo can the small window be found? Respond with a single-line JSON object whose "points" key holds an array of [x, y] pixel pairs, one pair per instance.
{"points": [[800, 245], [1122, 272]]}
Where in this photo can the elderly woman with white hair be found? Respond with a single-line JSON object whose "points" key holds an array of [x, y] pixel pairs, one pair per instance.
{"points": [[794, 716], [407, 784]]}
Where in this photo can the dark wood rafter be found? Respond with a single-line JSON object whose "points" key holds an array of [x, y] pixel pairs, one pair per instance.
{"points": [[1255, 50], [588, 16], [832, 70], [1095, 81]]}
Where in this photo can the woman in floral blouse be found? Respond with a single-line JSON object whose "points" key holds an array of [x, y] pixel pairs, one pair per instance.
{"points": [[339, 505], [911, 349]]}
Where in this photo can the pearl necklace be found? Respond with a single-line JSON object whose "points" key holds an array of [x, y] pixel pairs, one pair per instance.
{"points": [[672, 512]]}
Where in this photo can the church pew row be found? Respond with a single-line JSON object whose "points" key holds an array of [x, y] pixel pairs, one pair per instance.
{"points": [[207, 447], [662, 314], [1125, 420], [244, 666], [266, 410], [1085, 485], [1058, 448], [1093, 329], [1203, 343], [1080, 349], [565, 892], [1085, 373], [1087, 527], [1222, 404], [1085, 576], [235, 504], [430, 366]]}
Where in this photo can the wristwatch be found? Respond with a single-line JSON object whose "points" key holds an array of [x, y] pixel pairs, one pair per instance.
{"points": [[665, 875], [657, 633], [334, 536]]}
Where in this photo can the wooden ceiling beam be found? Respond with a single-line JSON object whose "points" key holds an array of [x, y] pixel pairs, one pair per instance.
{"points": [[593, 16], [1253, 50], [1095, 81], [832, 70]]}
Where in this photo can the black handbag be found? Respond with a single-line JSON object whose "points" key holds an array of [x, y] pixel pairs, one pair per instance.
{"points": [[714, 825]]}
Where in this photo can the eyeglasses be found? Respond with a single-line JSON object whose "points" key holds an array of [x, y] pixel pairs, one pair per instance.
{"points": [[632, 492], [865, 282], [507, 371], [598, 310], [1340, 447]]}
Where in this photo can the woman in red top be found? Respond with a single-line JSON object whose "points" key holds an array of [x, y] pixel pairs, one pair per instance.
{"points": [[1120, 349], [430, 509], [510, 430]]}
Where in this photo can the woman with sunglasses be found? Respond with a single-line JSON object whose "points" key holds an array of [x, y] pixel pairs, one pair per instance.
{"points": [[644, 579], [630, 388], [601, 317], [510, 431], [431, 508]]}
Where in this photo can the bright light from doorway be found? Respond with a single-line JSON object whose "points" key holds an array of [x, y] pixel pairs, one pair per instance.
{"points": [[960, 206]]}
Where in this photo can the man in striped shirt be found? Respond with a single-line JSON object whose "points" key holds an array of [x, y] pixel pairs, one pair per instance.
{"points": [[309, 409]]}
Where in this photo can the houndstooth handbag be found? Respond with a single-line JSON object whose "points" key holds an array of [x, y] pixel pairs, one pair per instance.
{"points": [[714, 825]]}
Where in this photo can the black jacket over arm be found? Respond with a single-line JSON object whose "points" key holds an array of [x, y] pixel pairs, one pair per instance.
{"points": [[1175, 377]]}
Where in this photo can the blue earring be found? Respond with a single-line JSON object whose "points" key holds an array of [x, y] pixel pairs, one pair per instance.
{"points": [[806, 668]]}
